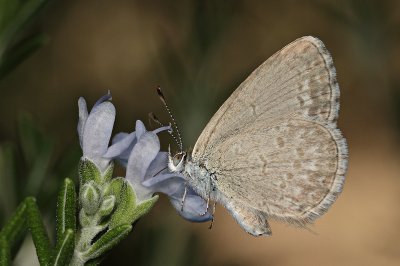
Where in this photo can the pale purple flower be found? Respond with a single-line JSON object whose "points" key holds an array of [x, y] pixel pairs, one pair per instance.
{"points": [[139, 152], [147, 172], [94, 130]]}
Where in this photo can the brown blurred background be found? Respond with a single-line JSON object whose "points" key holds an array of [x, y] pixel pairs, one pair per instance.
{"points": [[199, 51]]}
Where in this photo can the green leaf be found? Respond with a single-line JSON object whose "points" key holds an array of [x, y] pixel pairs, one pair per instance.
{"points": [[66, 209], [37, 173], [39, 235], [30, 138], [15, 225], [7, 11], [5, 256], [8, 197], [64, 249], [143, 208], [94, 262], [127, 211], [125, 206], [37, 151], [114, 187], [20, 52], [108, 173], [23, 14], [88, 171], [107, 241]]}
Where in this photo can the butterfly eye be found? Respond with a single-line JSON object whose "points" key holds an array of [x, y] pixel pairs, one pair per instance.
{"points": [[178, 158]]}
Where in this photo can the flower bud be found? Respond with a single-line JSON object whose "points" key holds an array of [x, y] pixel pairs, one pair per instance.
{"points": [[90, 198], [84, 219], [107, 205]]}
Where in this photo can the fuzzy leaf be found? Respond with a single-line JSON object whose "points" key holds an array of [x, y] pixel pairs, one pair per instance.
{"points": [[66, 209], [38, 231], [125, 206], [127, 211], [114, 187], [15, 225], [143, 208], [88, 171], [108, 173], [5, 256], [64, 249], [107, 241]]}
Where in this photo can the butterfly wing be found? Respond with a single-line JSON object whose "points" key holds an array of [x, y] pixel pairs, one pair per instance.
{"points": [[297, 81], [292, 170], [274, 145]]}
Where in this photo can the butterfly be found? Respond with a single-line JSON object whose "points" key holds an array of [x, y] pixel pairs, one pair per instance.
{"points": [[273, 149]]}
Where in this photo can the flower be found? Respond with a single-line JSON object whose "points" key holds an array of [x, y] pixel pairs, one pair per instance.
{"points": [[147, 172], [94, 130], [139, 152]]}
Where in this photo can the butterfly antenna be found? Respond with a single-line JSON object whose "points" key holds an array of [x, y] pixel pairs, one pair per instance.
{"points": [[153, 117], [161, 95]]}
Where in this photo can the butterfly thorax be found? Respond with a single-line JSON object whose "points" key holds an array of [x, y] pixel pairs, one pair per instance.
{"points": [[201, 179], [198, 177]]}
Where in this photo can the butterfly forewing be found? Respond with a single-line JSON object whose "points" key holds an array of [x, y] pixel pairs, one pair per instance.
{"points": [[297, 81]]}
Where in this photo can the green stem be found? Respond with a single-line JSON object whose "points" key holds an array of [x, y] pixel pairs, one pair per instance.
{"points": [[83, 243]]}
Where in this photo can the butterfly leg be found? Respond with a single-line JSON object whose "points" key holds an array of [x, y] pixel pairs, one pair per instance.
{"points": [[211, 187], [207, 206], [213, 212], [183, 197]]}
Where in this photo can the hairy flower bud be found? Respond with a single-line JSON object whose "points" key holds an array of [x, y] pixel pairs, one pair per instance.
{"points": [[90, 198], [107, 205]]}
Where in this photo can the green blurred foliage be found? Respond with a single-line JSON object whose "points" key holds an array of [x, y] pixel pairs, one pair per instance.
{"points": [[31, 167], [15, 46], [375, 28], [189, 70]]}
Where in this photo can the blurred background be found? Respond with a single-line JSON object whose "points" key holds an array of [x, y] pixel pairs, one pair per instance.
{"points": [[53, 52]]}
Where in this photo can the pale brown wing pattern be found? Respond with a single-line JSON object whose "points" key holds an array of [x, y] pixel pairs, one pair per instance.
{"points": [[297, 81], [293, 170]]}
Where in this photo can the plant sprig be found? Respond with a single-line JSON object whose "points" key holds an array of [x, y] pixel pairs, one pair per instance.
{"points": [[27, 217]]}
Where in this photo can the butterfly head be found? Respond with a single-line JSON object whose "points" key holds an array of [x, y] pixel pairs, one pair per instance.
{"points": [[176, 163]]}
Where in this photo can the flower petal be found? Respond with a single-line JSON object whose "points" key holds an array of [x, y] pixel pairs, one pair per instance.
{"points": [[119, 137], [158, 166], [140, 129], [123, 144], [104, 98], [193, 208], [164, 128], [83, 115], [143, 153], [169, 184], [97, 133]]}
